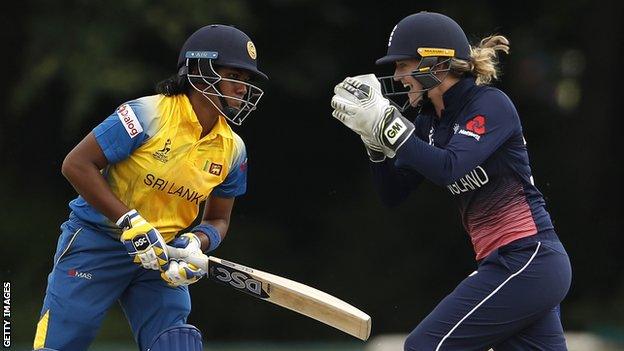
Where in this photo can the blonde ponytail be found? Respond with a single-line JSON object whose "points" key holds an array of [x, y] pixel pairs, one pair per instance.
{"points": [[483, 59]]}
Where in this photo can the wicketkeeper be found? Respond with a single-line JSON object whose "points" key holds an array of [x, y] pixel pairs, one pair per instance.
{"points": [[467, 138]]}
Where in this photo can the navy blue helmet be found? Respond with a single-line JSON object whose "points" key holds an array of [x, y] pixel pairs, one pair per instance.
{"points": [[215, 46], [430, 37], [426, 30]]}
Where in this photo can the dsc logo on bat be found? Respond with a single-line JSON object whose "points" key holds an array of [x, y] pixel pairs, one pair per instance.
{"points": [[238, 280]]}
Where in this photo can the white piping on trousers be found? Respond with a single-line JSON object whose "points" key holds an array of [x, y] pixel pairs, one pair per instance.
{"points": [[68, 245], [539, 243]]}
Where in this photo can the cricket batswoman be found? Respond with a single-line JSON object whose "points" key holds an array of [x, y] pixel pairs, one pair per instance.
{"points": [[141, 176], [466, 137]]}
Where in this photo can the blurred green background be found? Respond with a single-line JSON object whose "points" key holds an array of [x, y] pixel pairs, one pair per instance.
{"points": [[310, 212]]}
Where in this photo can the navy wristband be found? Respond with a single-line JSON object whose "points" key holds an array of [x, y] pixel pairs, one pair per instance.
{"points": [[212, 233]]}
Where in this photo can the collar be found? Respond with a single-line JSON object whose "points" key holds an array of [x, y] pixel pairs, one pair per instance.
{"points": [[221, 128], [454, 97]]}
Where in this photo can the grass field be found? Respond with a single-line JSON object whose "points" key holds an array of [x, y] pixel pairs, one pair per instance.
{"points": [[576, 342], [249, 346]]}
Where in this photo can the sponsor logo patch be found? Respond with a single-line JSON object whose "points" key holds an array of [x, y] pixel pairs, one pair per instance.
{"points": [[470, 134], [426, 52], [82, 275], [140, 242], [129, 120], [476, 125], [395, 130]]}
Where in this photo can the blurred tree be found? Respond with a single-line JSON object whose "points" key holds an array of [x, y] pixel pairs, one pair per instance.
{"points": [[310, 213], [92, 49]]}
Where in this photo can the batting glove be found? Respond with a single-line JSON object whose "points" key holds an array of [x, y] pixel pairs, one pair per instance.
{"points": [[143, 242], [181, 273], [186, 245]]}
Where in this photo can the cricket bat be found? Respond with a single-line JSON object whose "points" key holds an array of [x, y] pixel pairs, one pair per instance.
{"points": [[287, 293]]}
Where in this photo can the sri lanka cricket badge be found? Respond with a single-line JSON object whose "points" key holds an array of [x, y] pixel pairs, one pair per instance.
{"points": [[213, 168]]}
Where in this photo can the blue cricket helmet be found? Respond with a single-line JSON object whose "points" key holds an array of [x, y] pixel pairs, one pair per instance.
{"points": [[426, 34], [215, 46], [225, 45]]}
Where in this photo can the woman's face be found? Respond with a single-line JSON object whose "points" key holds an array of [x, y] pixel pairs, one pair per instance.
{"points": [[403, 73], [230, 88]]}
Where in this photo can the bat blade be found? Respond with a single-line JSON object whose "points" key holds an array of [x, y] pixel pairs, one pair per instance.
{"points": [[287, 293]]}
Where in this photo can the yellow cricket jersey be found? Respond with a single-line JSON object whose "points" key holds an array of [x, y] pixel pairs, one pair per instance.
{"points": [[159, 166]]}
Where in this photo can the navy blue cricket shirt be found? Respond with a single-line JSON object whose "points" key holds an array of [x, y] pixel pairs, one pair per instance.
{"points": [[478, 152]]}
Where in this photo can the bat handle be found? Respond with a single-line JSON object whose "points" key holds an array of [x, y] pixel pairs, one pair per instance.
{"points": [[198, 260]]}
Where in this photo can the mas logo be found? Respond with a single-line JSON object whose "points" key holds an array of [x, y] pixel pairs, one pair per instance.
{"points": [[82, 275]]}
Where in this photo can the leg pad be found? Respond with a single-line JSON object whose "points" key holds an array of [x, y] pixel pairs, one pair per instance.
{"points": [[183, 337]]}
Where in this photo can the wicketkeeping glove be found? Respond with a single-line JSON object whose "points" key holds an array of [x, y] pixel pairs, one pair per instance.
{"points": [[359, 104], [181, 273], [375, 152], [143, 242]]}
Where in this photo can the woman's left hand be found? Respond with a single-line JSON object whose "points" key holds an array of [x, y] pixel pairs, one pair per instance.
{"points": [[181, 273], [186, 245]]}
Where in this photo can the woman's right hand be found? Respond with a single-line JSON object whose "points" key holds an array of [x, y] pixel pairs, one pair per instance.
{"points": [[143, 242]]}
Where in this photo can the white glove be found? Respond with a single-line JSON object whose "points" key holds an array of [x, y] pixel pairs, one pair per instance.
{"points": [[375, 152], [181, 273], [359, 104], [186, 245]]}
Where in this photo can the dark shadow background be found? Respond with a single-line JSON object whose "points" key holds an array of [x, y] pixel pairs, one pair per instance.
{"points": [[310, 212]]}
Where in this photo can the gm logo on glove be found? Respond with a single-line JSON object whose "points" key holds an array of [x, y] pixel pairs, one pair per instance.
{"points": [[395, 130]]}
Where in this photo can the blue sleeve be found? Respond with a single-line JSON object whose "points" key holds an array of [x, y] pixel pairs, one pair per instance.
{"points": [[121, 133], [235, 184], [488, 122], [393, 184]]}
